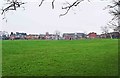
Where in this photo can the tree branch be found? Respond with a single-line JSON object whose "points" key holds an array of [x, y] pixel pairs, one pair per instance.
{"points": [[70, 6], [53, 4], [41, 3], [65, 12], [13, 5]]}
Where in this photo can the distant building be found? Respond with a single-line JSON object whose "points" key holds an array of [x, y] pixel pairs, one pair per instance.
{"points": [[20, 35], [17, 35], [103, 36], [92, 35], [42, 36], [48, 36], [69, 36], [32, 36], [80, 35], [111, 35], [98, 36], [115, 35]]}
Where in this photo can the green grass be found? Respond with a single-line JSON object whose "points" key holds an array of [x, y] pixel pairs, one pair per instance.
{"points": [[98, 57]]}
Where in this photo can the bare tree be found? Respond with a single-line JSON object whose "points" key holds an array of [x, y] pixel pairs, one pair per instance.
{"points": [[11, 5], [14, 4], [105, 29], [114, 10], [67, 8], [114, 25]]}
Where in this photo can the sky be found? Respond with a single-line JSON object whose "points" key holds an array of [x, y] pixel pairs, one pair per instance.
{"points": [[85, 18]]}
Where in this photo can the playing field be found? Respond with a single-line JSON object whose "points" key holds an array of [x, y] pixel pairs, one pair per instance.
{"points": [[97, 57]]}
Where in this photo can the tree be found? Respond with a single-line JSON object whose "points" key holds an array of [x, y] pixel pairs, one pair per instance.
{"points": [[12, 5], [114, 10], [105, 29], [15, 4]]}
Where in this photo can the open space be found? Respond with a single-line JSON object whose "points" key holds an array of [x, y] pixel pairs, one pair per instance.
{"points": [[90, 57]]}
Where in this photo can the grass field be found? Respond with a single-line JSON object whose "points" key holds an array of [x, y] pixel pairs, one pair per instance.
{"points": [[97, 57]]}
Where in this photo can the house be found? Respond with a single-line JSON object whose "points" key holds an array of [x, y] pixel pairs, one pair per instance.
{"points": [[115, 35], [48, 36], [12, 37], [32, 36], [42, 36], [52, 37], [17, 35], [69, 36], [80, 35], [92, 35], [20, 35], [102, 35], [111, 35], [98, 36]]}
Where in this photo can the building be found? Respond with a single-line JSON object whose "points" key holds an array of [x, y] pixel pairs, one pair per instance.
{"points": [[80, 35], [92, 35], [111, 35], [48, 36], [115, 35], [32, 36], [17, 35], [69, 36], [42, 36], [20, 35]]}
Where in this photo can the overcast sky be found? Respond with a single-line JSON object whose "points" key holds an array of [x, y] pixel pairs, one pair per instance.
{"points": [[87, 17]]}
